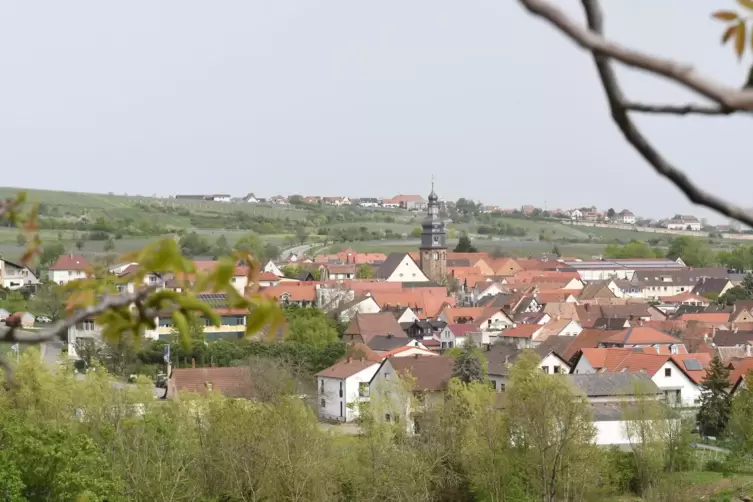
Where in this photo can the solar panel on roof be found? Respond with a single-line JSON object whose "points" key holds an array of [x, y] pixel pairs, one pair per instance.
{"points": [[692, 365]]}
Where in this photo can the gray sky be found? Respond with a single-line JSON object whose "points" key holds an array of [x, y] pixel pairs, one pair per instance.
{"points": [[359, 98]]}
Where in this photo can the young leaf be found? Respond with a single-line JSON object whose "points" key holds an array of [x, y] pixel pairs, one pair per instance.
{"points": [[728, 33], [724, 15], [748, 4], [740, 39]]}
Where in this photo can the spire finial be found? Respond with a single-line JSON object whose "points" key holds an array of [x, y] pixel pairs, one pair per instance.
{"points": [[432, 182]]}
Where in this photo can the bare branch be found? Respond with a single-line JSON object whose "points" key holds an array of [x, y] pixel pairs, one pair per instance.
{"points": [[602, 52], [60, 330], [679, 73], [688, 109]]}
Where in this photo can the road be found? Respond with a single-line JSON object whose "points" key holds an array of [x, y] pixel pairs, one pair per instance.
{"points": [[298, 251]]}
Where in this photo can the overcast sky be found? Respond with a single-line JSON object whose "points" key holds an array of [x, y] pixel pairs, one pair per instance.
{"points": [[359, 98]]}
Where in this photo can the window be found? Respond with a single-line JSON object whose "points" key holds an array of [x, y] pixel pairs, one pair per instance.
{"points": [[493, 384], [386, 375], [341, 408], [678, 396], [387, 417], [323, 403], [545, 369], [88, 325], [667, 372], [341, 389], [557, 369], [321, 386]]}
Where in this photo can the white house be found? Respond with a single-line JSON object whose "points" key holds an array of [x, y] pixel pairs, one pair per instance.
{"points": [[625, 217], [273, 269], [16, 275], [400, 267], [344, 385], [676, 376], [576, 215], [358, 305], [221, 197], [69, 267]]}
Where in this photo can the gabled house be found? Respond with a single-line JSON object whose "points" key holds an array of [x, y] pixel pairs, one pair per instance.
{"points": [[67, 268], [400, 267], [712, 286], [500, 358], [235, 382], [362, 304], [344, 385], [645, 338], [678, 377], [16, 275], [271, 267], [364, 327], [455, 335]]}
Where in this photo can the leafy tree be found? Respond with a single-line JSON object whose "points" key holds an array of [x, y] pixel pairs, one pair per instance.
{"points": [[221, 247], [365, 272], [693, 252], [733, 295], [193, 244], [610, 213], [464, 245], [109, 245], [714, 412], [416, 232], [49, 301], [50, 253], [301, 235], [21, 240], [309, 326], [556, 251], [80, 244], [251, 244], [551, 430], [740, 427], [291, 270], [468, 366]]}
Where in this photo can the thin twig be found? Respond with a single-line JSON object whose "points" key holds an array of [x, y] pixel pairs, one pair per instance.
{"points": [[683, 74], [602, 52], [688, 109]]}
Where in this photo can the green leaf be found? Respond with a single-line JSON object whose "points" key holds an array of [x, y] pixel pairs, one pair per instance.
{"points": [[224, 271], [182, 327]]}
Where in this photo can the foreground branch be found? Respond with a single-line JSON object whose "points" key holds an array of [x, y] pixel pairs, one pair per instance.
{"points": [[12, 334], [683, 74], [602, 52]]}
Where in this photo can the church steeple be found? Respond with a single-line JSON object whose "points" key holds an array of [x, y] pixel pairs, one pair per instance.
{"points": [[433, 241]]}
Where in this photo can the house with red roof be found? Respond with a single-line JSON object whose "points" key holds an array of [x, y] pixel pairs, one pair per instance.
{"points": [[678, 376], [645, 337], [67, 268]]}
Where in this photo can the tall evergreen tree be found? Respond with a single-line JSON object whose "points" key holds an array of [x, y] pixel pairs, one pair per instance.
{"points": [[468, 366], [714, 412], [464, 245]]}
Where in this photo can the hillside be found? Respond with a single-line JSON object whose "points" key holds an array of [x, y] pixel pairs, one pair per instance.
{"points": [[132, 220]]}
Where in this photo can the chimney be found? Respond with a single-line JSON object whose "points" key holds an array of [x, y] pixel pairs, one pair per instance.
{"points": [[747, 350], [349, 360], [389, 335], [193, 362], [415, 356]]}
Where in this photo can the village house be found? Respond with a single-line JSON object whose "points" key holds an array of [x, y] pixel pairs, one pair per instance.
{"points": [[16, 275], [677, 376], [500, 358], [67, 268], [369, 202], [233, 382], [625, 217], [400, 267], [684, 222]]}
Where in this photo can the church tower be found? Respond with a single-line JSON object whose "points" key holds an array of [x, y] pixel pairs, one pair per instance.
{"points": [[433, 249]]}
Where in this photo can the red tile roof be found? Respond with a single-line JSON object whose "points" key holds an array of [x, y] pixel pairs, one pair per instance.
{"points": [[708, 317], [641, 335], [462, 329], [296, 291], [71, 262], [703, 359], [346, 368], [231, 382], [522, 331], [430, 373]]}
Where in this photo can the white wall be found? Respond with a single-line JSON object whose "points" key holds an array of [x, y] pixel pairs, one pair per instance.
{"points": [[336, 407], [611, 432], [66, 276], [677, 380], [407, 271], [550, 362], [583, 366]]}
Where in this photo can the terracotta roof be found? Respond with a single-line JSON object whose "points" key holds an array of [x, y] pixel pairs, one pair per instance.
{"points": [[602, 357], [360, 351], [462, 329], [267, 276], [231, 382], [709, 317], [685, 297], [296, 291], [431, 373], [552, 328], [640, 335], [522, 331], [370, 325], [562, 309], [739, 368], [71, 262], [588, 338], [696, 375], [426, 300], [454, 313], [346, 368], [553, 296]]}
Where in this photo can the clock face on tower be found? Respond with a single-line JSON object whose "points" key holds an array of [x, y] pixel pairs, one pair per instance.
{"points": [[436, 238]]}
